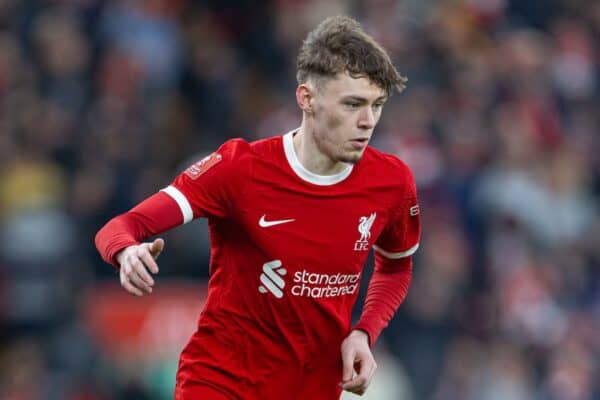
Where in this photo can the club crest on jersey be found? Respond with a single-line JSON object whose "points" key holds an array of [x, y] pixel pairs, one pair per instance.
{"points": [[200, 167], [364, 228]]}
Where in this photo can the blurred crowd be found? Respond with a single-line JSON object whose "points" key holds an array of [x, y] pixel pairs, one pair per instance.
{"points": [[103, 102]]}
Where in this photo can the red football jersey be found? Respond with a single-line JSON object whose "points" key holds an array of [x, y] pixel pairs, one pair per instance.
{"points": [[287, 253]]}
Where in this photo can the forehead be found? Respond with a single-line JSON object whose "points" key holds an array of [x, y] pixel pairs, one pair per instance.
{"points": [[343, 85]]}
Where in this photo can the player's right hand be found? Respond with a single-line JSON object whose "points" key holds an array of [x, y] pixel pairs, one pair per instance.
{"points": [[135, 262]]}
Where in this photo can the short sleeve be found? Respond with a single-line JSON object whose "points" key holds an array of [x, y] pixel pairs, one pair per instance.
{"points": [[210, 186], [400, 237]]}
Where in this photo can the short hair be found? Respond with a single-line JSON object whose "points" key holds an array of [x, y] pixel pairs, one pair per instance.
{"points": [[338, 45]]}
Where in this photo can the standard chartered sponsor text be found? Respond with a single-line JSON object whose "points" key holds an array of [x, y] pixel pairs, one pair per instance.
{"points": [[310, 284]]}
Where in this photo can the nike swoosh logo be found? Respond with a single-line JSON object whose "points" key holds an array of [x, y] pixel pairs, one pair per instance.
{"points": [[265, 224]]}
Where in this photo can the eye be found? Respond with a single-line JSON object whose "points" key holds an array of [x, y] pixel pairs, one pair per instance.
{"points": [[352, 104], [377, 106]]}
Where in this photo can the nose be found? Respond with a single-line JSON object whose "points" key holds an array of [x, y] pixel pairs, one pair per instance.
{"points": [[366, 119]]}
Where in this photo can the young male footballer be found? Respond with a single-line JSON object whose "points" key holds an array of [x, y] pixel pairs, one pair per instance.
{"points": [[292, 219]]}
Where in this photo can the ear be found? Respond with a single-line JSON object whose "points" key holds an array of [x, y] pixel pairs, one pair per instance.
{"points": [[304, 97]]}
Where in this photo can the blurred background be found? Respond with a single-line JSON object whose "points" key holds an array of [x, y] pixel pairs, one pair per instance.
{"points": [[102, 103]]}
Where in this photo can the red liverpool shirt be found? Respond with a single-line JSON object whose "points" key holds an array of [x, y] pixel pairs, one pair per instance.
{"points": [[287, 254]]}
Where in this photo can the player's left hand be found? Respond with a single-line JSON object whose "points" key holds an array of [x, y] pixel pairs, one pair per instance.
{"points": [[358, 363]]}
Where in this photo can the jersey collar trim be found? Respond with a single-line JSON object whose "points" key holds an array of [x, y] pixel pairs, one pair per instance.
{"points": [[303, 173]]}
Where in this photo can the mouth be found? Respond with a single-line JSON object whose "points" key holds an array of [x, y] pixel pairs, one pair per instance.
{"points": [[360, 142]]}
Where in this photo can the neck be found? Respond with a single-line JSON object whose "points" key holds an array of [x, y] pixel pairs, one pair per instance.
{"points": [[311, 157]]}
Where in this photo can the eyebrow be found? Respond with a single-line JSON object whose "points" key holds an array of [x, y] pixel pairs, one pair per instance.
{"points": [[363, 99]]}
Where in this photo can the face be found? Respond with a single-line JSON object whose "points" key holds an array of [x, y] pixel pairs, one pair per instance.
{"points": [[344, 113]]}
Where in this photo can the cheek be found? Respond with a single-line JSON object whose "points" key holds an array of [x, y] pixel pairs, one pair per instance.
{"points": [[377, 116], [331, 126], [335, 129], [330, 118], [333, 120]]}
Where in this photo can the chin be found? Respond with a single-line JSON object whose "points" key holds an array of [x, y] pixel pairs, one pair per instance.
{"points": [[351, 158]]}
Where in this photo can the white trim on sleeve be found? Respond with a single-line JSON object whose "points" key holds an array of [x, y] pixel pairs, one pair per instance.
{"points": [[182, 202], [394, 256]]}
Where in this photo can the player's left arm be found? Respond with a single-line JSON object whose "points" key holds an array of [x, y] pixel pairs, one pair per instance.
{"points": [[394, 248], [387, 288], [386, 292]]}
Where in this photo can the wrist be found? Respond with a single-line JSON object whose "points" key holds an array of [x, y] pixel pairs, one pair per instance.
{"points": [[121, 254], [360, 334], [119, 257]]}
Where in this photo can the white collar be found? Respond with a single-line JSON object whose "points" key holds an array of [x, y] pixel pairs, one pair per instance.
{"points": [[302, 172]]}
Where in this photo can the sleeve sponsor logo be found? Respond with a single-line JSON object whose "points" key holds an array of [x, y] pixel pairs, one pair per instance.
{"points": [[414, 210], [200, 167]]}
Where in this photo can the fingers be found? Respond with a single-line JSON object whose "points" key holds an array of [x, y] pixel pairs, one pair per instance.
{"points": [[131, 277], [149, 262], [157, 247], [134, 274], [128, 286], [347, 365], [358, 364], [140, 276], [362, 380]]}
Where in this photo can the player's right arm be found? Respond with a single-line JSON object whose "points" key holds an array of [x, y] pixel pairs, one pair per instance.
{"points": [[120, 240], [205, 189]]}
